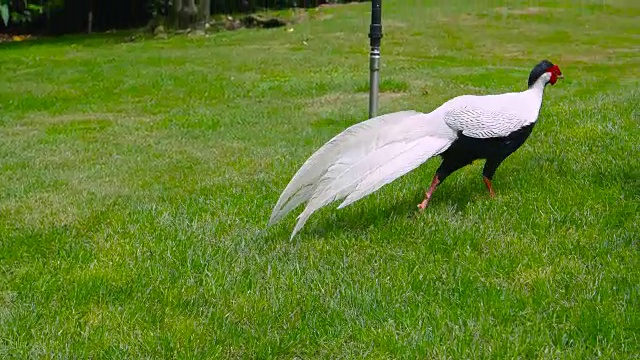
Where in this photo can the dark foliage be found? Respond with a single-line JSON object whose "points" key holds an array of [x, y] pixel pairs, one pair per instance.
{"points": [[73, 17]]}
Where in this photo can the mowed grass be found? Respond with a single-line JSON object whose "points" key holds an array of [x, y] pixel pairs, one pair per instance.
{"points": [[137, 179]]}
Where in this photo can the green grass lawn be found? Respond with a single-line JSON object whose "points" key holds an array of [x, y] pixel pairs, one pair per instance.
{"points": [[137, 178]]}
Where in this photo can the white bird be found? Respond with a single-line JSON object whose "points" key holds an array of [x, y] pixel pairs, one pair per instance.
{"points": [[373, 153]]}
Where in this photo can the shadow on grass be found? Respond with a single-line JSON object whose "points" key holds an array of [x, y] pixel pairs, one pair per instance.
{"points": [[456, 196]]}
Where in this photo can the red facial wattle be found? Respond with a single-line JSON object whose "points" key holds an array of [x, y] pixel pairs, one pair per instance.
{"points": [[555, 74]]}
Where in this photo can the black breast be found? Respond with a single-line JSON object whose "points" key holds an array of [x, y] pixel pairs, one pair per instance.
{"points": [[467, 149]]}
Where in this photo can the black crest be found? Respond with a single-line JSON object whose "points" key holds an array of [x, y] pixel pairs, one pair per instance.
{"points": [[538, 71]]}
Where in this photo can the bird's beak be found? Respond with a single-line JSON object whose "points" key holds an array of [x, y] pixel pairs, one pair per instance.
{"points": [[560, 77]]}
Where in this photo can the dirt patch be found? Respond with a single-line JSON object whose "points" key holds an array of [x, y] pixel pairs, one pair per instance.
{"points": [[38, 123], [15, 38], [323, 16], [465, 19], [341, 97], [395, 24], [336, 101], [88, 117], [525, 11], [345, 4]]}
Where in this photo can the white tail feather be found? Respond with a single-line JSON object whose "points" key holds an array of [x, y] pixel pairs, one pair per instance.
{"points": [[362, 159], [402, 164], [305, 181]]}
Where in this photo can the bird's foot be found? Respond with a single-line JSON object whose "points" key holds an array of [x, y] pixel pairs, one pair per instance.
{"points": [[487, 182], [423, 205], [427, 195]]}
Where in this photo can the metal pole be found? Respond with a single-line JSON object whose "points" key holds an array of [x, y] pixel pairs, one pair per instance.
{"points": [[375, 34]]}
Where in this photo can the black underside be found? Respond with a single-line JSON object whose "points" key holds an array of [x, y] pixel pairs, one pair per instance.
{"points": [[466, 149]]}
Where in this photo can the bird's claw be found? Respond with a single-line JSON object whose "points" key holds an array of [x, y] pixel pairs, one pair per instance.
{"points": [[423, 205]]}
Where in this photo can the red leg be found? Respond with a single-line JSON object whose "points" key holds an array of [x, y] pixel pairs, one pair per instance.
{"points": [[488, 183], [423, 205]]}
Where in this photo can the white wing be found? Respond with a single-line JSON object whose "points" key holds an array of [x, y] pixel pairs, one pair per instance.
{"points": [[483, 123], [491, 116]]}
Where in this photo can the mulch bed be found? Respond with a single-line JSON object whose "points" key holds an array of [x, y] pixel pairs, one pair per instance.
{"points": [[12, 37]]}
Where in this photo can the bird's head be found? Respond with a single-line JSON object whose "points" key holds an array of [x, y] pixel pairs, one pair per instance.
{"points": [[546, 72]]}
